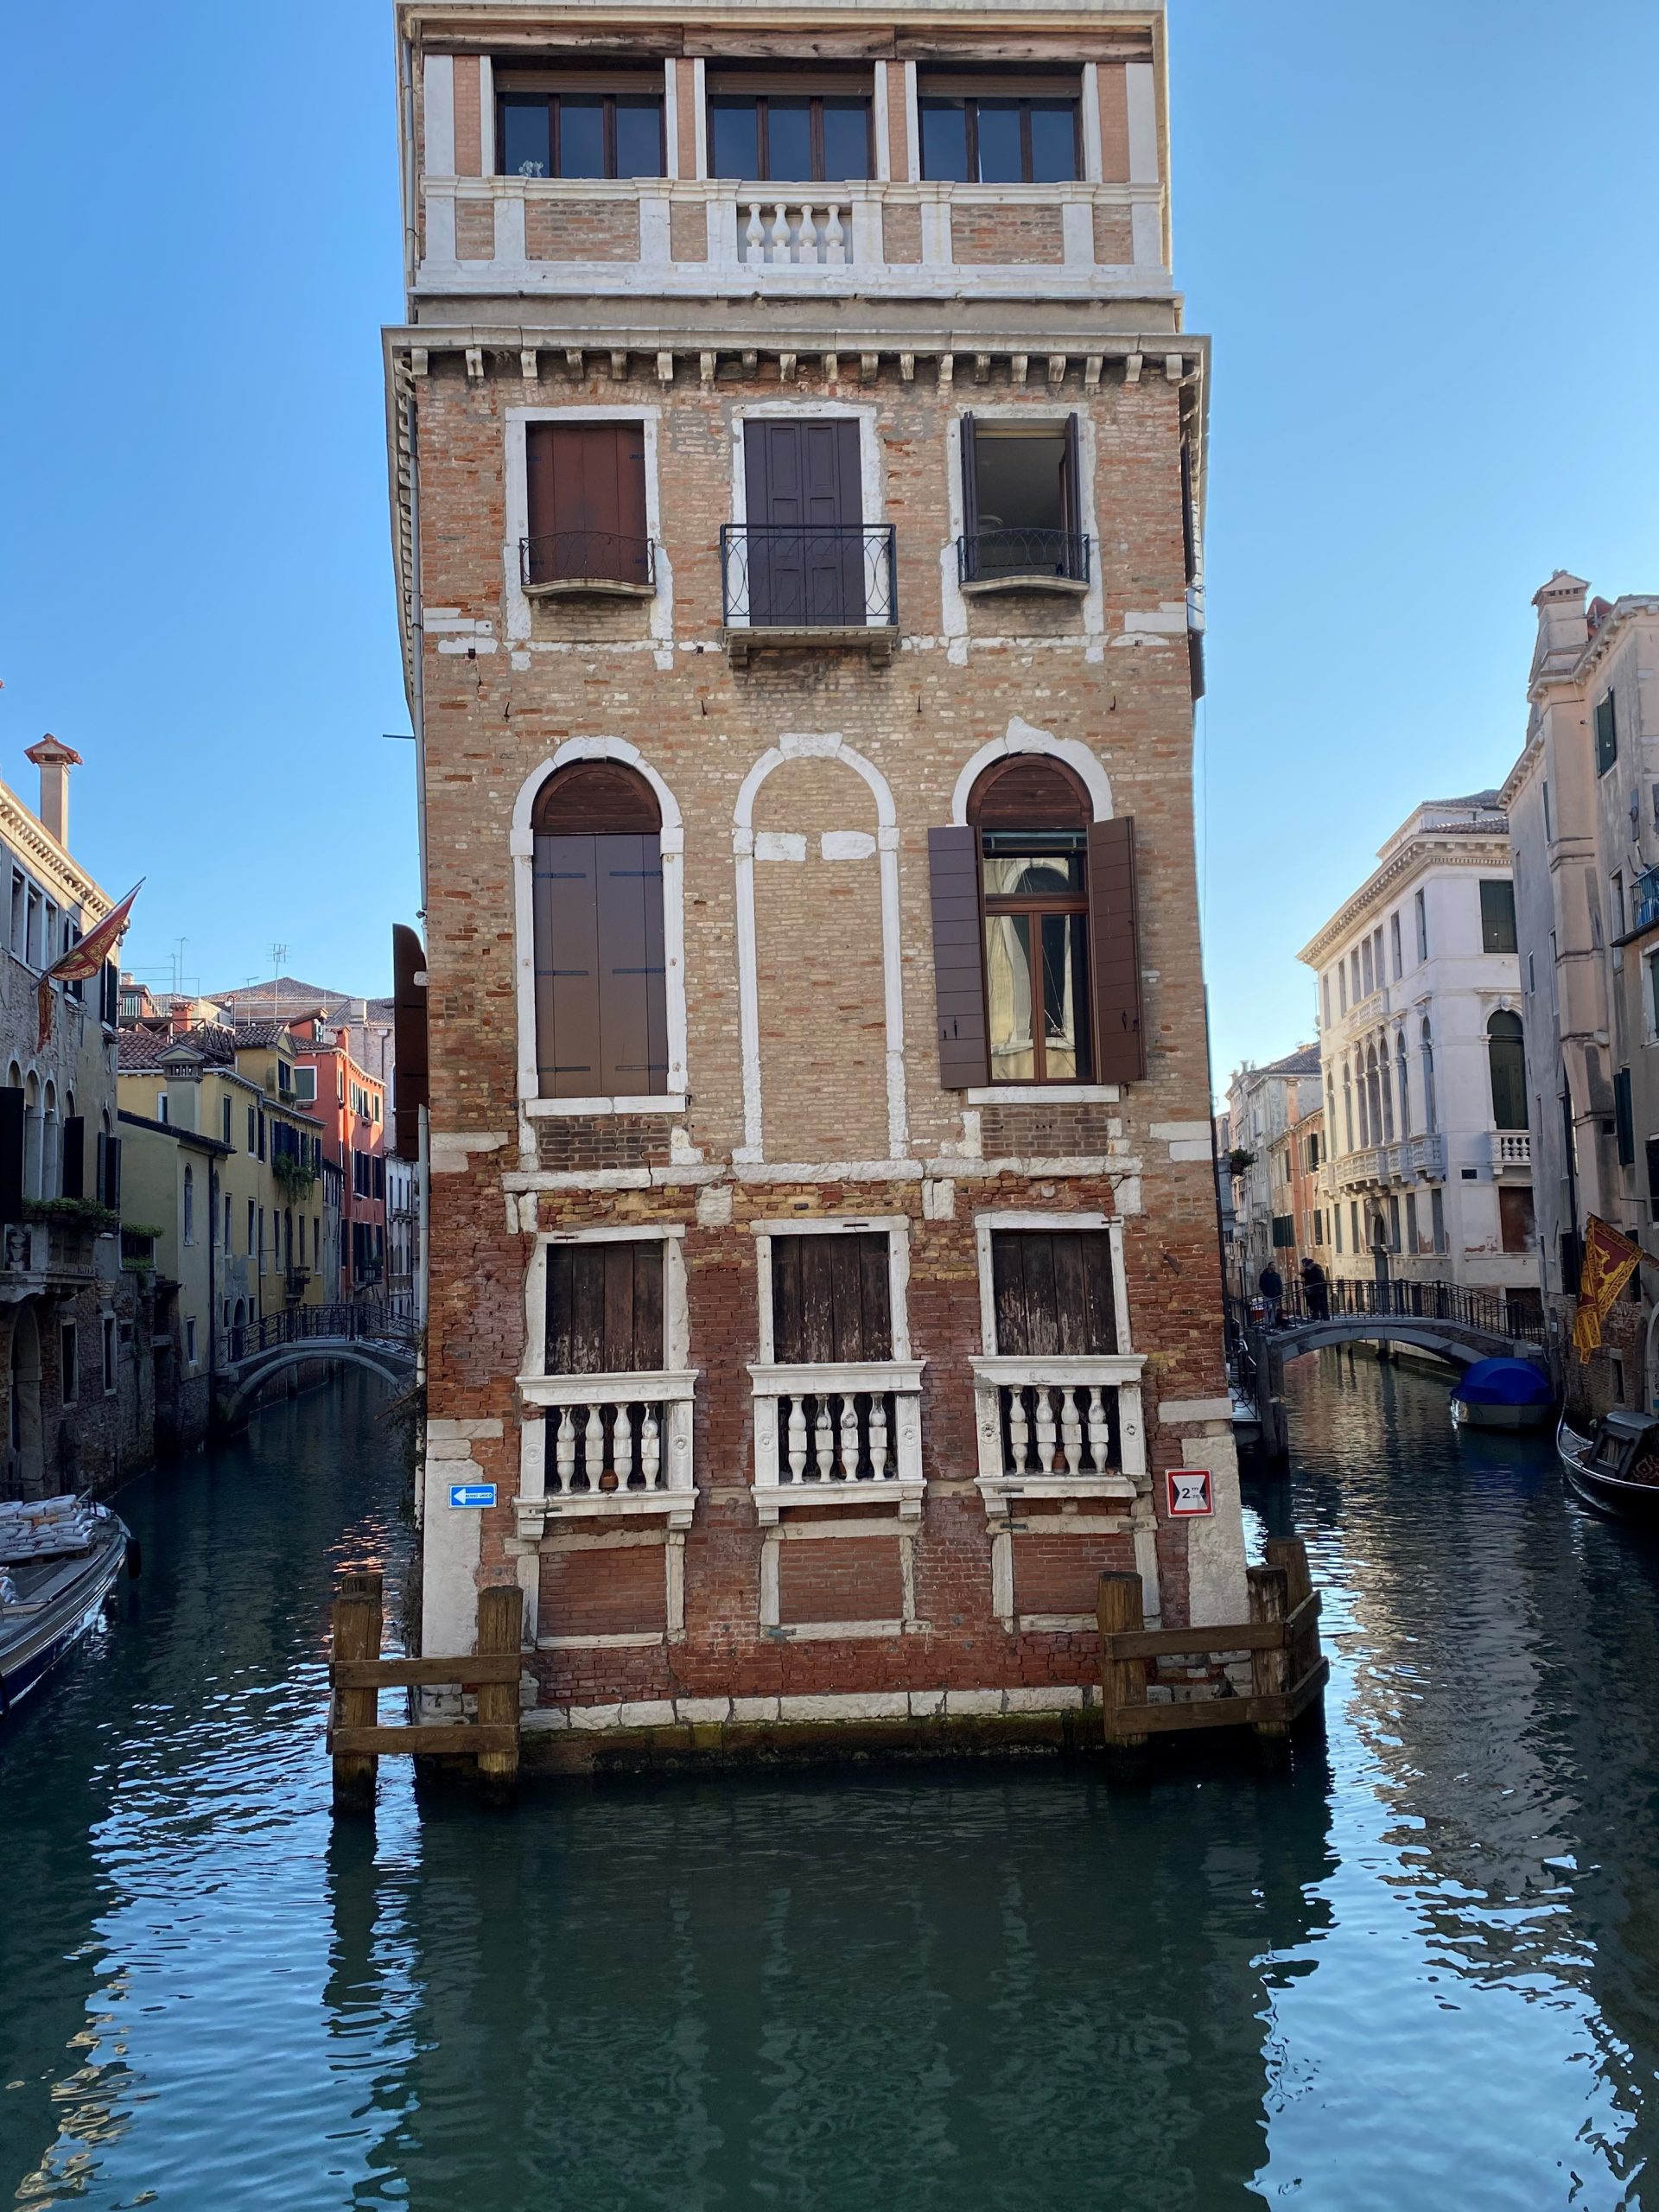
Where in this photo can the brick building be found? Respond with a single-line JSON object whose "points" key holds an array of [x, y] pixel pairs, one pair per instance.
{"points": [[797, 461]]}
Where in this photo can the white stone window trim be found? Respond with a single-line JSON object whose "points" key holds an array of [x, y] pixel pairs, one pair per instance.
{"points": [[901, 1376], [813, 746], [777, 1630], [993, 1371], [1044, 1094], [992, 411], [522, 848], [673, 1386], [872, 480], [673, 1540], [517, 512]]}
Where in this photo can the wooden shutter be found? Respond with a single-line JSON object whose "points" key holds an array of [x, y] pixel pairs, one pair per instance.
{"points": [[586, 482], [959, 957], [1071, 480], [802, 488], [970, 488], [1052, 1292], [112, 1171], [632, 971], [605, 1308], [831, 1298], [74, 1157], [11, 1153], [411, 1081], [567, 967], [1115, 952]]}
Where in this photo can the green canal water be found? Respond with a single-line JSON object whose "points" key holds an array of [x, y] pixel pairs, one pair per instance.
{"points": [[1421, 1968]]}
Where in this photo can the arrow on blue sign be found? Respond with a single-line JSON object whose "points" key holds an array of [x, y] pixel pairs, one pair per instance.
{"points": [[471, 1493]]}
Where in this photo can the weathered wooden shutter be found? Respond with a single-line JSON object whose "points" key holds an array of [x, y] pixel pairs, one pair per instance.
{"points": [[11, 1153], [605, 1308], [112, 1172], [1072, 480], [802, 491], [1115, 952], [1052, 1294], [959, 957], [411, 1085], [831, 1298], [74, 1157]]}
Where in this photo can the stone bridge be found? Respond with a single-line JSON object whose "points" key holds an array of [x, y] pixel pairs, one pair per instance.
{"points": [[352, 1336]]}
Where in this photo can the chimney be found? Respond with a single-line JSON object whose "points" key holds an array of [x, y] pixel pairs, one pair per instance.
{"points": [[178, 1017], [54, 760]]}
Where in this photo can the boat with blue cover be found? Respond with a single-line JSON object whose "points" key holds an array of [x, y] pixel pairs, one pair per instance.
{"points": [[1509, 1393]]}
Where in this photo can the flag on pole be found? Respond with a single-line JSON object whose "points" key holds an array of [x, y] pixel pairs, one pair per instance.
{"points": [[85, 956], [1608, 1261]]}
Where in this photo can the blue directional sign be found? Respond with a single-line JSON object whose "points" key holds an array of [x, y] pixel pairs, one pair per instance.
{"points": [[471, 1493]]}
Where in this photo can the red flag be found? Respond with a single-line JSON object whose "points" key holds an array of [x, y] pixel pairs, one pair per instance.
{"points": [[85, 956]]}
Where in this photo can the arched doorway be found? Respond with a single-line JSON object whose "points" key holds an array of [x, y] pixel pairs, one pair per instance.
{"points": [[26, 1451]]}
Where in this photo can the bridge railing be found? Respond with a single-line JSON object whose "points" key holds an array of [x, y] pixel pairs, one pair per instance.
{"points": [[1514, 1313], [338, 1323]]}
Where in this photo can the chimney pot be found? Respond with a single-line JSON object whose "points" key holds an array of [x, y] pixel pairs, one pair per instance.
{"points": [[54, 760]]}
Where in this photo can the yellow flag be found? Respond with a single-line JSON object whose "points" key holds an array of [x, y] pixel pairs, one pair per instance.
{"points": [[1608, 1261]]}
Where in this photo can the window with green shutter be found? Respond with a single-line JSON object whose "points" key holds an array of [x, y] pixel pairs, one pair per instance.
{"points": [[1606, 733], [1623, 1119], [1496, 915]]}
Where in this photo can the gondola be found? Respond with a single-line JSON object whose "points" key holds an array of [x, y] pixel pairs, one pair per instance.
{"points": [[1603, 1468], [60, 1559]]}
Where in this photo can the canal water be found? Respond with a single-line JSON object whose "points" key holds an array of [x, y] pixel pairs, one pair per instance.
{"points": [[1419, 1968]]}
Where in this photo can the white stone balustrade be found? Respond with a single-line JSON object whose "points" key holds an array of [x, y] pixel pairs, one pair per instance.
{"points": [[1511, 1149], [606, 1445], [801, 234], [844, 1434], [1045, 1428]]}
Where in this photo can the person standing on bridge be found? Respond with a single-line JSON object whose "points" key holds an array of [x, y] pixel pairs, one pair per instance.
{"points": [[1316, 1295], [1271, 1286]]}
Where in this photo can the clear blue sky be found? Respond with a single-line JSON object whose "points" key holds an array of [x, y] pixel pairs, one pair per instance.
{"points": [[1422, 241]]}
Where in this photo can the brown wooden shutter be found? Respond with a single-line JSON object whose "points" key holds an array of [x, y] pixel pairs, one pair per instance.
{"points": [[11, 1153], [632, 969], [605, 1308], [1053, 1292], [410, 1087], [586, 481], [959, 957], [969, 480], [567, 967], [74, 1157], [831, 1298], [1115, 952]]}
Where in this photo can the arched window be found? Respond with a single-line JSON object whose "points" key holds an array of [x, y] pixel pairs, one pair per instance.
{"points": [[1348, 1106], [1032, 817], [1387, 1095], [1373, 1094], [1405, 1092], [1431, 1118], [189, 1205], [1506, 1051], [601, 1015]]}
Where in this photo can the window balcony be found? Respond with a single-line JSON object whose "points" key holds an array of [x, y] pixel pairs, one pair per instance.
{"points": [[1059, 1428], [1024, 560], [608, 1447], [832, 586], [1512, 1151], [838, 1435], [572, 563]]}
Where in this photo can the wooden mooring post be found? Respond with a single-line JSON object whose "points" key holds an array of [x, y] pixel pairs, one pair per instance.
{"points": [[1281, 1639], [357, 1740]]}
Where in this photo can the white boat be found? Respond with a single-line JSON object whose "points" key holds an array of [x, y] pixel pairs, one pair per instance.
{"points": [[59, 1558]]}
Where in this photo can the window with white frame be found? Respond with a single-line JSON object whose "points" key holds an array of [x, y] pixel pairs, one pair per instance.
{"points": [[606, 1391], [1059, 1389], [837, 1393]]}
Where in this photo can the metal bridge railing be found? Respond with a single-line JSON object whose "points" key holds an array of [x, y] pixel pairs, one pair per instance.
{"points": [[337, 1324], [1517, 1313]]}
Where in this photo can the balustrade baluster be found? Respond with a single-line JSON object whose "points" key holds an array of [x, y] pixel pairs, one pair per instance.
{"points": [[878, 1437], [807, 247], [823, 1442], [1100, 1434], [754, 238], [650, 1448], [565, 1451], [1018, 1432], [834, 240], [1071, 1430], [849, 1437], [593, 1448], [797, 1439], [622, 1445], [1044, 1431], [780, 235]]}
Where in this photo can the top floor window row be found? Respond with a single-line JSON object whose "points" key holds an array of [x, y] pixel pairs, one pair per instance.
{"points": [[795, 127]]}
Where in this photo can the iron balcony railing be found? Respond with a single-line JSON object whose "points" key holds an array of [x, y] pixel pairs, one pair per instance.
{"points": [[996, 555], [587, 556], [775, 576]]}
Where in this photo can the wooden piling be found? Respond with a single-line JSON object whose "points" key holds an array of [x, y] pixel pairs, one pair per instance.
{"points": [[501, 1616], [1269, 1661], [1118, 1611], [357, 1636]]}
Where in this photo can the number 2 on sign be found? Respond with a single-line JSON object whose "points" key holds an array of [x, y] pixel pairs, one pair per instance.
{"points": [[1191, 1492]]}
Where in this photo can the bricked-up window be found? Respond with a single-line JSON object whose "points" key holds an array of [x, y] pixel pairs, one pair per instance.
{"points": [[797, 127], [604, 1307], [601, 1012], [1001, 130], [579, 123], [1052, 1294], [1035, 934], [585, 498], [831, 1298]]}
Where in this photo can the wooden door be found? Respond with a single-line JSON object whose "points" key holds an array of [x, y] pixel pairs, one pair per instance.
{"points": [[805, 513]]}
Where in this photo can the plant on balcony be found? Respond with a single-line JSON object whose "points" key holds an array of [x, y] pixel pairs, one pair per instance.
{"points": [[292, 1177], [1238, 1161], [80, 1213]]}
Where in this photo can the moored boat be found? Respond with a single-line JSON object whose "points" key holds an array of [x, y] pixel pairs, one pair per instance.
{"points": [[1506, 1394], [1617, 1469], [59, 1558]]}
